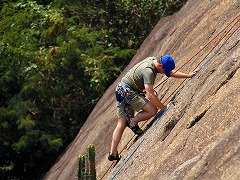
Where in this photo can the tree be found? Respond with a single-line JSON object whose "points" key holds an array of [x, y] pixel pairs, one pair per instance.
{"points": [[52, 74]]}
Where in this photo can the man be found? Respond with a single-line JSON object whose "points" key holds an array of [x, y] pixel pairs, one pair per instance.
{"points": [[130, 98]]}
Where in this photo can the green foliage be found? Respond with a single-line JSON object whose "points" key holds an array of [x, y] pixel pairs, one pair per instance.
{"points": [[57, 59], [26, 123], [6, 168], [50, 142], [129, 21]]}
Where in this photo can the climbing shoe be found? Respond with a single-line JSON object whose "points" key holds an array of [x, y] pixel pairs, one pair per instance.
{"points": [[112, 157], [136, 129]]}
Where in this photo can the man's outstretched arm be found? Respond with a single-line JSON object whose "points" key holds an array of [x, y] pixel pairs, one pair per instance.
{"points": [[178, 74]]}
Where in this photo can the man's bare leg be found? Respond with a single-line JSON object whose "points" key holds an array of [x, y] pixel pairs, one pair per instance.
{"points": [[117, 135], [148, 111]]}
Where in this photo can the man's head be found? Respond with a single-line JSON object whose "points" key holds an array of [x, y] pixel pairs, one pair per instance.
{"points": [[167, 64]]}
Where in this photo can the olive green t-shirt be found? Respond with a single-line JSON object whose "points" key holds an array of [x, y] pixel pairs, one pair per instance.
{"points": [[144, 73]]}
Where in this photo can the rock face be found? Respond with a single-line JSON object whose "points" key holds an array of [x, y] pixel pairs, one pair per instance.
{"points": [[199, 137]]}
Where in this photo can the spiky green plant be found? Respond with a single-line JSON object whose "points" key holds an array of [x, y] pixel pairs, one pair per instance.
{"points": [[81, 166], [86, 164], [91, 157]]}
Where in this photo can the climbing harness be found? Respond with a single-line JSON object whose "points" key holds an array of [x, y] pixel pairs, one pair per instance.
{"points": [[124, 94]]}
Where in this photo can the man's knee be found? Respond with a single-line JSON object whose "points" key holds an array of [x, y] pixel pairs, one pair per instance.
{"points": [[122, 123], [151, 109]]}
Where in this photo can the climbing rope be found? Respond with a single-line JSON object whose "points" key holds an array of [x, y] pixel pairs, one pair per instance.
{"points": [[204, 47], [174, 92], [216, 44]]}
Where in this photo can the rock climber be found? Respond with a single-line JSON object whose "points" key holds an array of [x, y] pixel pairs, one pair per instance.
{"points": [[130, 97]]}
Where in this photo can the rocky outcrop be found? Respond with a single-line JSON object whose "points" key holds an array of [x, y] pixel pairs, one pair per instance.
{"points": [[199, 136]]}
